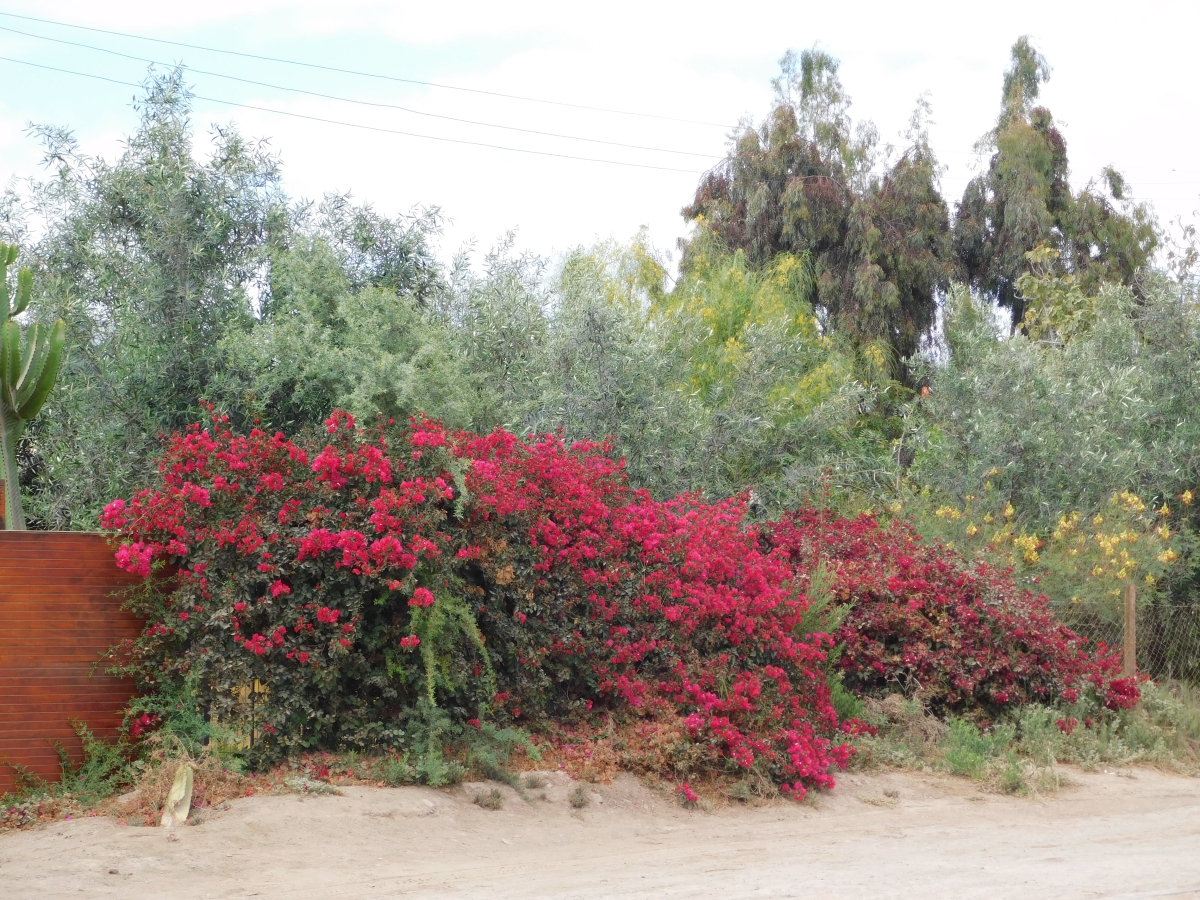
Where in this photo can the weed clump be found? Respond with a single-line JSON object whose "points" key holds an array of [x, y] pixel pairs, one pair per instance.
{"points": [[492, 799], [578, 798]]}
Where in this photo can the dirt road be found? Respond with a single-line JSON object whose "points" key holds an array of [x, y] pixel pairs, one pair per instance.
{"points": [[1135, 833]]}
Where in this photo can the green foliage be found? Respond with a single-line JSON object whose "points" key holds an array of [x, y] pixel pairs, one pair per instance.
{"points": [[490, 749], [1090, 418], [151, 260], [876, 243], [1056, 309], [100, 772], [329, 336], [1021, 753], [825, 615], [1024, 200], [968, 751]]}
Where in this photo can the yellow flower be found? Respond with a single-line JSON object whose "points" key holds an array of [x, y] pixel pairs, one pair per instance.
{"points": [[1150, 580], [1168, 556], [1099, 570], [972, 530], [989, 518], [1187, 497], [1009, 512], [1099, 520], [970, 497], [1133, 502], [1165, 510], [1076, 599], [1028, 544], [1165, 533]]}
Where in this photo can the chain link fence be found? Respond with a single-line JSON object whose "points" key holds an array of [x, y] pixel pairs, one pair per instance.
{"points": [[1168, 635]]}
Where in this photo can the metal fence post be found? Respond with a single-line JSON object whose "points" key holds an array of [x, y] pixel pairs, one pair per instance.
{"points": [[1130, 658]]}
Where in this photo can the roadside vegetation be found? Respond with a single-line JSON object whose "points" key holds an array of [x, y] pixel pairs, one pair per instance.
{"points": [[861, 485]]}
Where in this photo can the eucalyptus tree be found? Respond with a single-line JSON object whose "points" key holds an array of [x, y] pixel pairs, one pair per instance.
{"points": [[1023, 200], [873, 232]]}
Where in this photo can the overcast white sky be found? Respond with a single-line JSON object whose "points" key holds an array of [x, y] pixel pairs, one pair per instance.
{"points": [[1123, 89]]}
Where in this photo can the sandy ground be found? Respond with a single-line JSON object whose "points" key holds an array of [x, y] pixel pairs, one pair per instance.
{"points": [[1127, 833]]}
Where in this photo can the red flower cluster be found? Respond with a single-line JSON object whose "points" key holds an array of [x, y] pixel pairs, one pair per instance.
{"points": [[668, 609], [141, 724], [920, 619]]}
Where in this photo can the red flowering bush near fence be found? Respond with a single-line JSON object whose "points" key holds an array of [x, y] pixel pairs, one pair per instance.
{"points": [[402, 575], [402, 569], [920, 620]]}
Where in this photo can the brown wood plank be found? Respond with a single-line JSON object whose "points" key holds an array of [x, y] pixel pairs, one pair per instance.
{"points": [[60, 612]]}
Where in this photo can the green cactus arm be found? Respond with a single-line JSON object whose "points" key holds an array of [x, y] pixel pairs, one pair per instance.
{"points": [[27, 356], [3, 355], [36, 349], [24, 291], [12, 255], [12, 354], [33, 405]]}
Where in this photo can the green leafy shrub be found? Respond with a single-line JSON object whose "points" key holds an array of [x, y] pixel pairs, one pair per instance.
{"points": [[968, 751]]}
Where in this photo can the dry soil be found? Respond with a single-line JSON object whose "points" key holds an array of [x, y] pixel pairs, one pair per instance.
{"points": [[1126, 833]]}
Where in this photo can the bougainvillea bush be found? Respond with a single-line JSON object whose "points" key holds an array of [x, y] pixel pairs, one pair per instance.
{"points": [[965, 640], [392, 580], [401, 569]]}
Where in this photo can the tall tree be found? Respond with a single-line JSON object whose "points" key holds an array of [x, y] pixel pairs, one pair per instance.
{"points": [[806, 182], [1024, 200], [152, 259]]}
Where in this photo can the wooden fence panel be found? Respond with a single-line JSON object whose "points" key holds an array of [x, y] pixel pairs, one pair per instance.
{"points": [[58, 616]]}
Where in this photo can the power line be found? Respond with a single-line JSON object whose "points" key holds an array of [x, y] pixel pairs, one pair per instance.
{"points": [[293, 62], [428, 137], [417, 112]]}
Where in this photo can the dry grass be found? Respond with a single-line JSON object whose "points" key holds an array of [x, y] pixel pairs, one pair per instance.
{"points": [[579, 798], [492, 799]]}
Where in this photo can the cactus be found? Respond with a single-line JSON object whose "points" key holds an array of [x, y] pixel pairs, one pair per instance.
{"points": [[26, 375]]}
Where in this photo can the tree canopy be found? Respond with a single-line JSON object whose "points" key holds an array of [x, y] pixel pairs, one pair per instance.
{"points": [[875, 239], [1023, 200]]}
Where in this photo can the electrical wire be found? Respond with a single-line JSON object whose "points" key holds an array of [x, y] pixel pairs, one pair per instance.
{"points": [[376, 128], [293, 62], [417, 112]]}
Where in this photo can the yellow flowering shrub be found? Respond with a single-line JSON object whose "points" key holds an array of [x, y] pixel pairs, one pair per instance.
{"points": [[1087, 557]]}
